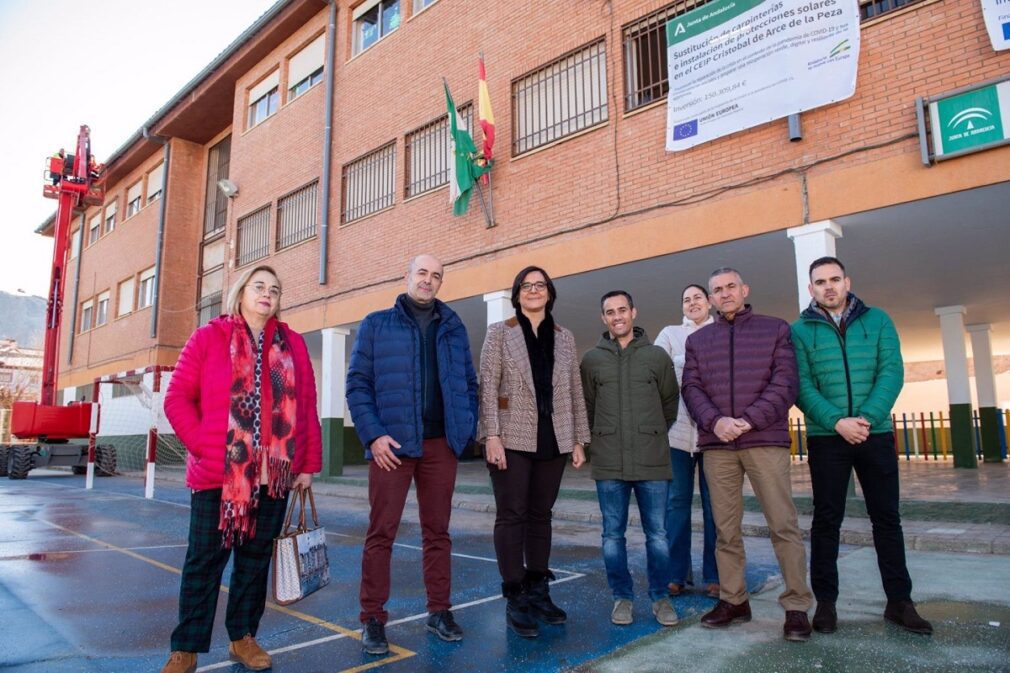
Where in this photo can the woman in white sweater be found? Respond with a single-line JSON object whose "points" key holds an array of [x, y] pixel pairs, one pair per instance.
{"points": [[684, 456]]}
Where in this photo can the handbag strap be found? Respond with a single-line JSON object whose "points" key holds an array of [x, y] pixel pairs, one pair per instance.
{"points": [[287, 518], [312, 504]]}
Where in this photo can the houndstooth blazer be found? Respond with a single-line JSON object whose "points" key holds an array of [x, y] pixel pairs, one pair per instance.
{"points": [[508, 401]]}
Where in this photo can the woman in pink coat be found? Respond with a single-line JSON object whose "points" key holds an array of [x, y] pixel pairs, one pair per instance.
{"points": [[243, 401]]}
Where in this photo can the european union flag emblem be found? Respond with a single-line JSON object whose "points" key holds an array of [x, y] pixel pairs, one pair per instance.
{"points": [[685, 130], [1006, 31]]}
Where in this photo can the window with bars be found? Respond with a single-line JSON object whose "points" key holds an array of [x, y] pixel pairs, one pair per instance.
{"points": [[215, 212], [869, 9], [367, 183], [560, 98], [645, 65], [253, 236], [211, 281], [296, 216], [427, 153]]}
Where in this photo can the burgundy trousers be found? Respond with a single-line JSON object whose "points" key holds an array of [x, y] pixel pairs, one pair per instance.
{"points": [[434, 475]]}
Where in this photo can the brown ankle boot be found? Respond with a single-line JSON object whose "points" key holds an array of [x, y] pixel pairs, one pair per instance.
{"points": [[248, 653], [180, 662]]}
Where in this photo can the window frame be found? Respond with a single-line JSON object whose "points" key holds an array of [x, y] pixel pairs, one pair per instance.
{"points": [[102, 308], [298, 233], [155, 195], [439, 127], [87, 316], [262, 240], [109, 219], [135, 205], [132, 280], [356, 23], [94, 228], [379, 203], [145, 289]]}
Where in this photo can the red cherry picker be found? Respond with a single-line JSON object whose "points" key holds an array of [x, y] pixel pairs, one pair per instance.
{"points": [[75, 181]]}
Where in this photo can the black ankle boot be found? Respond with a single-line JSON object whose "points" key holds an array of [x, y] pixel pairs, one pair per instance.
{"points": [[518, 615], [541, 605]]}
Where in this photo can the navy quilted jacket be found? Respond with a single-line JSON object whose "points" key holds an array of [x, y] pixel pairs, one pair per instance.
{"points": [[741, 369], [384, 380]]}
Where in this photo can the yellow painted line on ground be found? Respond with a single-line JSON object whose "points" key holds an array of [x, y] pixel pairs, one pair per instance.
{"points": [[399, 653]]}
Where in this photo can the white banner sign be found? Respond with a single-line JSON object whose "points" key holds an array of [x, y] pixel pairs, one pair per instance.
{"points": [[997, 22], [734, 64]]}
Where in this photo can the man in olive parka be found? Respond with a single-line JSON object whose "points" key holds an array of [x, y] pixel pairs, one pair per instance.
{"points": [[631, 400]]}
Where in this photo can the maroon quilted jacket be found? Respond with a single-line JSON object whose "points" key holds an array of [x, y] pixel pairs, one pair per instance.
{"points": [[742, 369]]}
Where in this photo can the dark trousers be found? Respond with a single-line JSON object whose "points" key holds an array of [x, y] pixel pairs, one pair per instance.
{"points": [[434, 473], [205, 562], [524, 494], [831, 461]]}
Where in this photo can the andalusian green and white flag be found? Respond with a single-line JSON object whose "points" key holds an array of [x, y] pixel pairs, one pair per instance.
{"points": [[462, 168]]}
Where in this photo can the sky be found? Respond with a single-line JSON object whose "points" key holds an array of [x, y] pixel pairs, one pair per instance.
{"points": [[110, 64]]}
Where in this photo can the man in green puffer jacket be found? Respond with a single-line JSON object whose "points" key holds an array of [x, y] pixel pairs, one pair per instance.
{"points": [[850, 368], [631, 400]]}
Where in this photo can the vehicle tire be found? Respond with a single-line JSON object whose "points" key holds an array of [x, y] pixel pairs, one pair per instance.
{"points": [[19, 462], [4, 451], [105, 460], [79, 469]]}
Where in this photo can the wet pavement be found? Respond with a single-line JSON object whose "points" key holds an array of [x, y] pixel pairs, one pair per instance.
{"points": [[89, 582]]}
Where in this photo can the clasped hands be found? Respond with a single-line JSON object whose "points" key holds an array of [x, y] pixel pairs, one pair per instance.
{"points": [[728, 429]]}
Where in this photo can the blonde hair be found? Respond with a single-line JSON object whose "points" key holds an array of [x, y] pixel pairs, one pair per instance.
{"points": [[234, 304]]}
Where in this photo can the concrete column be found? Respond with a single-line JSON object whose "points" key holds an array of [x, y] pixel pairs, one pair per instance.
{"points": [[985, 389], [955, 358], [811, 241], [499, 306], [334, 399]]}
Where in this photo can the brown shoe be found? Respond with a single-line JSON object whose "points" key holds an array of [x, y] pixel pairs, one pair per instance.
{"points": [[249, 653], [724, 614], [712, 590], [674, 589], [797, 626], [180, 662], [904, 614]]}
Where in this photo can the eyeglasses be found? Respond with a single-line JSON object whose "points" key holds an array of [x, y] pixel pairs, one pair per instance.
{"points": [[539, 286], [263, 288]]}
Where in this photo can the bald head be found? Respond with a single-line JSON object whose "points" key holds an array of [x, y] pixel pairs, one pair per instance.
{"points": [[424, 278]]}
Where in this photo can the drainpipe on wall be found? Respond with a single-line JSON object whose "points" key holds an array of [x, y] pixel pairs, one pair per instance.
{"points": [[160, 243], [77, 286], [324, 224]]}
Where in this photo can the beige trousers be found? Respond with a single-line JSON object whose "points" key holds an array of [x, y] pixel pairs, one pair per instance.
{"points": [[767, 468]]}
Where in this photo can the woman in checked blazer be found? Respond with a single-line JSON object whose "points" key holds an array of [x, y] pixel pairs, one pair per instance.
{"points": [[532, 417]]}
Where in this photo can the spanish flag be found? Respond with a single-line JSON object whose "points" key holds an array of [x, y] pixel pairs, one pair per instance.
{"points": [[485, 115]]}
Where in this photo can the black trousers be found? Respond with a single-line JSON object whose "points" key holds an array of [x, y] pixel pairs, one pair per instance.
{"points": [[524, 493], [205, 562], [831, 461]]}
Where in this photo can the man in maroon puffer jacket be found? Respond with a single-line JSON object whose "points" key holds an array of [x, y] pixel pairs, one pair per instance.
{"points": [[740, 380]]}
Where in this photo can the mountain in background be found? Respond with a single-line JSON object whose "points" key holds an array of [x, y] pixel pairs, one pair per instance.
{"points": [[22, 318]]}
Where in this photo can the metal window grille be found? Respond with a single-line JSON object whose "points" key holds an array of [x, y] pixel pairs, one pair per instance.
{"points": [[296, 216], [253, 236], [560, 98], [869, 9], [215, 212], [368, 183], [645, 65], [427, 152], [208, 309]]}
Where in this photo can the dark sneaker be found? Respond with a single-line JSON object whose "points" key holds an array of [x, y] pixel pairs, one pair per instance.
{"points": [[537, 587], [825, 617], [904, 614], [797, 626], [373, 637], [724, 614], [443, 625]]}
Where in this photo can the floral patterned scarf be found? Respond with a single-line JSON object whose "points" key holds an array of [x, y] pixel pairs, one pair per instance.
{"points": [[262, 387]]}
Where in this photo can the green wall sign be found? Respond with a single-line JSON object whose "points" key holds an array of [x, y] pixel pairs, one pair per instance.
{"points": [[970, 121]]}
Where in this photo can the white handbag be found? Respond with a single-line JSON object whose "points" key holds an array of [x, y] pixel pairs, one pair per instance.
{"points": [[301, 565]]}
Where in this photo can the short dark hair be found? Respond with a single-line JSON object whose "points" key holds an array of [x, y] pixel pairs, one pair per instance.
{"points": [[824, 261], [704, 290], [617, 293], [552, 294]]}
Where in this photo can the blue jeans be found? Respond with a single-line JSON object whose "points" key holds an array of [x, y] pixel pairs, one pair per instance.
{"points": [[615, 496], [678, 519]]}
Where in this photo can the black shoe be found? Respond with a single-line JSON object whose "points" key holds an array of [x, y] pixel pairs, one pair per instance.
{"points": [[825, 617], [903, 614], [797, 626], [373, 637], [518, 615], [443, 625], [537, 586]]}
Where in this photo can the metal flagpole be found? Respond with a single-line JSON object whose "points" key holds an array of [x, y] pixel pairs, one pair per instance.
{"points": [[483, 205]]}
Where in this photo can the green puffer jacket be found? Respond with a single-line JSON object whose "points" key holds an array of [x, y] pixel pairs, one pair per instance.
{"points": [[631, 399], [853, 372]]}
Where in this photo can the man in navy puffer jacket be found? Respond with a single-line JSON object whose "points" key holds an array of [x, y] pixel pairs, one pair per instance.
{"points": [[739, 382], [412, 392]]}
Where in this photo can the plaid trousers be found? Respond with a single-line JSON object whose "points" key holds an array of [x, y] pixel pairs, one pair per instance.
{"points": [[205, 562]]}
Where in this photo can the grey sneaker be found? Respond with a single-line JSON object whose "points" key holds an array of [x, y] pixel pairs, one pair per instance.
{"points": [[621, 614], [665, 614]]}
